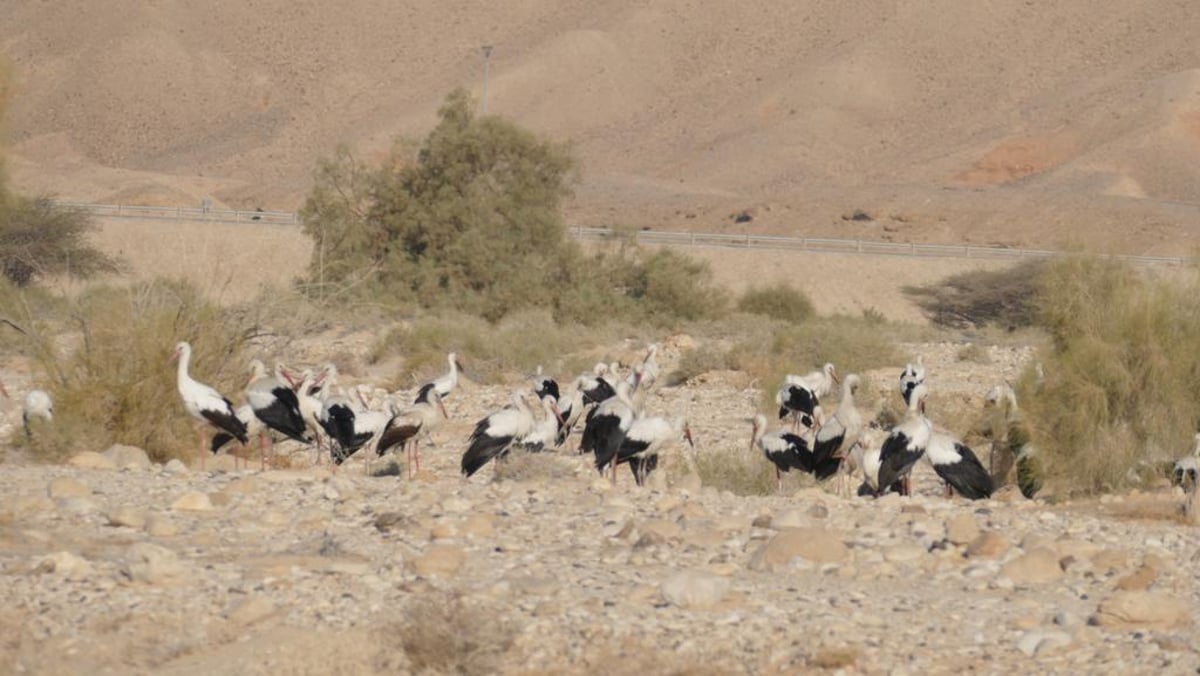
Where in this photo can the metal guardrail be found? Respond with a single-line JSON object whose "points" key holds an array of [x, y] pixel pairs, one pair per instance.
{"points": [[660, 237], [186, 213]]}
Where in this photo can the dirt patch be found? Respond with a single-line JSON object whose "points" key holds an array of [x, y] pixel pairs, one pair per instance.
{"points": [[1014, 159]]}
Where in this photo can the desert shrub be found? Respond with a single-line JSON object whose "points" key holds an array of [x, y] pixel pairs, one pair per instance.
{"points": [[778, 302], [974, 353], [744, 472], [545, 467], [1121, 383], [39, 238], [443, 633], [698, 361], [969, 299], [116, 385]]}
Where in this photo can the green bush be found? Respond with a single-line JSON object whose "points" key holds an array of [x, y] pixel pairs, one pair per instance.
{"points": [[972, 299], [1121, 388], [780, 302]]}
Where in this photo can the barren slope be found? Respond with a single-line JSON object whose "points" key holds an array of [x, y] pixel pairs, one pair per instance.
{"points": [[1016, 123]]}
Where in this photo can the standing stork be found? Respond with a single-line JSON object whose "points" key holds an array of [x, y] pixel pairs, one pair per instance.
{"points": [[958, 466], [606, 427], [341, 422], [784, 450], [407, 426], [37, 404], [443, 384], [275, 403], [911, 376], [645, 439], [494, 434], [839, 434], [906, 444], [204, 403], [801, 396]]}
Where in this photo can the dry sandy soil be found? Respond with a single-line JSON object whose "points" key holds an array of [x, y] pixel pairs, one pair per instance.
{"points": [[1018, 123], [117, 566]]}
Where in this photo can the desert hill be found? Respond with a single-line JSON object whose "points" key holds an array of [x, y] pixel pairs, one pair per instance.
{"points": [[1015, 123]]}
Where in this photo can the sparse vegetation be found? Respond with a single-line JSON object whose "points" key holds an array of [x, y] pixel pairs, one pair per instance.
{"points": [[780, 302], [1003, 297], [742, 471], [1120, 392], [974, 353], [114, 384], [443, 633]]}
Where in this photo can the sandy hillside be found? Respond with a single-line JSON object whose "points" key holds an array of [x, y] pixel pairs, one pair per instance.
{"points": [[1014, 123]]}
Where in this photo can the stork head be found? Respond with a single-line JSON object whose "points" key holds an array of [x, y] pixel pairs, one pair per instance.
{"points": [[551, 406], [851, 384], [831, 371], [257, 370], [181, 348], [454, 361], [599, 369]]}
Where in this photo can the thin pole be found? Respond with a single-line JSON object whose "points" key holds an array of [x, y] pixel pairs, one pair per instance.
{"points": [[487, 58]]}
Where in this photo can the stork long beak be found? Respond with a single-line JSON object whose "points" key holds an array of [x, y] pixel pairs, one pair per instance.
{"points": [[753, 436], [4, 390], [558, 414], [833, 374], [921, 406], [687, 434]]}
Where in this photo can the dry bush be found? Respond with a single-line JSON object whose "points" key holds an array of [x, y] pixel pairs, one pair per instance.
{"points": [[519, 343], [698, 361], [744, 472], [780, 301], [116, 384], [1004, 297], [974, 353], [442, 633], [547, 466], [1121, 388]]}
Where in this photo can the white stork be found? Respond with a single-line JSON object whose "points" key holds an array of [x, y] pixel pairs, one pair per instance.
{"points": [[274, 403], [443, 384], [494, 434], [911, 376], [838, 434], [253, 425], [906, 444], [1187, 469], [341, 422], [545, 429], [406, 427], [801, 396], [784, 450], [570, 414], [649, 370], [310, 395], [645, 439], [958, 466], [545, 385], [37, 404], [606, 427], [204, 403]]}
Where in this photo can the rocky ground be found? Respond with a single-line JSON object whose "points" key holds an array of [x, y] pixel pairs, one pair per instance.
{"points": [[113, 565]]}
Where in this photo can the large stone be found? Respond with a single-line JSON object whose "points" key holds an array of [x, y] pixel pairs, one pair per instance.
{"points": [[251, 611], [694, 589], [689, 483], [152, 564], [790, 518], [962, 529], [128, 457], [91, 460], [989, 545], [440, 561], [479, 525], [194, 501], [175, 466], [812, 544], [1037, 567], [1132, 609], [66, 487], [160, 526]]}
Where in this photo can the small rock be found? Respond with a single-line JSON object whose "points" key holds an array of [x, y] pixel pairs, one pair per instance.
{"points": [[247, 485], [903, 553], [393, 521], [66, 565], [250, 611], [127, 517], [1108, 560], [454, 505], [440, 561], [274, 517], [1037, 642], [689, 483], [790, 518], [989, 545], [818, 512], [1037, 567], [66, 487], [194, 501], [1138, 580], [911, 509], [479, 525], [91, 460], [1128, 609], [78, 506], [160, 526], [127, 457], [175, 466], [962, 529], [152, 564], [761, 521], [443, 531], [694, 589]]}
